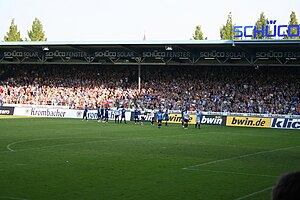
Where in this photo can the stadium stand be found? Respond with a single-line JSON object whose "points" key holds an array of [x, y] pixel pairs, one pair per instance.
{"points": [[268, 90]]}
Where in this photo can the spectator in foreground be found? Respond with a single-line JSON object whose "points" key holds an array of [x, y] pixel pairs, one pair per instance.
{"points": [[287, 187]]}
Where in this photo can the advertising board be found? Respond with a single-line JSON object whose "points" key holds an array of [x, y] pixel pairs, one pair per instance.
{"points": [[6, 110], [213, 120], [285, 123], [248, 121]]}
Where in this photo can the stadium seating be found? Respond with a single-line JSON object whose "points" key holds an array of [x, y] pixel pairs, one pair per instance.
{"points": [[231, 89]]}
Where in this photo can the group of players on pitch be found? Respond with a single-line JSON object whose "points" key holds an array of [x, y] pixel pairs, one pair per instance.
{"points": [[139, 117], [164, 116], [103, 114]]}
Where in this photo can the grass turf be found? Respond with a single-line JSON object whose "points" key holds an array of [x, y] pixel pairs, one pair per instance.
{"points": [[72, 159]]}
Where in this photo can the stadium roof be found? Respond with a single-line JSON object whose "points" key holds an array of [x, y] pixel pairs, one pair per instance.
{"points": [[186, 52]]}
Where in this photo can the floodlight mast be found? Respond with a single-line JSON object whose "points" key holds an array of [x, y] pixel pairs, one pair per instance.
{"points": [[139, 77], [139, 73]]}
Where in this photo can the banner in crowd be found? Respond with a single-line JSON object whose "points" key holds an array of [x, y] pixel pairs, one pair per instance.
{"points": [[248, 122], [213, 120], [6, 110], [285, 123]]}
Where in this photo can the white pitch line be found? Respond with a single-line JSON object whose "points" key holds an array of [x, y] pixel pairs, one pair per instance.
{"points": [[58, 145], [15, 198], [228, 172], [238, 157], [9, 146], [254, 193], [67, 144]]}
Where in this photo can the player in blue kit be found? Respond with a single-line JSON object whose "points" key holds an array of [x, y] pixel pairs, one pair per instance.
{"points": [[198, 119], [182, 121], [166, 115], [123, 111], [136, 116], [85, 111], [102, 113], [106, 115], [98, 113], [159, 118]]}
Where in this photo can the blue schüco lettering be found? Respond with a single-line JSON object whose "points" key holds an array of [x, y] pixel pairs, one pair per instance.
{"points": [[270, 30]]}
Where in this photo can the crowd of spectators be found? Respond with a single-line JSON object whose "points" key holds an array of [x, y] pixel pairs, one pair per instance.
{"points": [[267, 90]]}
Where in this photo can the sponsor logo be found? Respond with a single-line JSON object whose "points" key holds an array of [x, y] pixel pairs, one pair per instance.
{"points": [[176, 118], [248, 122], [4, 112], [7, 110], [93, 114], [285, 123], [20, 54], [78, 114], [47, 112], [213, 120], [221, 54], [270, 30], [146, 115], [173, 118]]}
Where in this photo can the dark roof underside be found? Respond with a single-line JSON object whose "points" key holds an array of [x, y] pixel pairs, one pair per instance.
{"points": [[210, 53]]}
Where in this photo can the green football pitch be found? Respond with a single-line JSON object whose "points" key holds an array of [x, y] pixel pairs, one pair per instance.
{"points": [[44, 158]]}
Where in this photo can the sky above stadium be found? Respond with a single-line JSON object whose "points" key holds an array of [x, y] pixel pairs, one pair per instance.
{"points": [[98, 20]]}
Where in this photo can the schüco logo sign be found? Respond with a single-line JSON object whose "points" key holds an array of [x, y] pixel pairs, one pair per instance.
{"points": [[270, 30]]}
